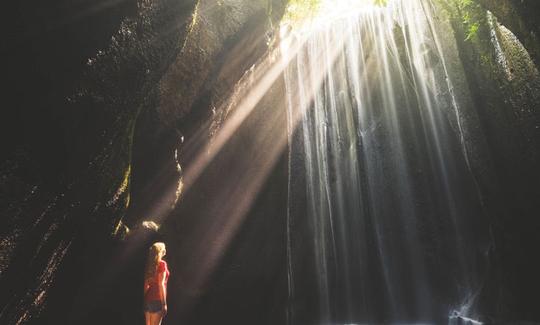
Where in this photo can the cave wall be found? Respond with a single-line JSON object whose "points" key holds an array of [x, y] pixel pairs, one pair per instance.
{"points": [[87, 130], [196, 97], [79, 74], [104, 98], [190, 96], [520, 16], [499, 61]]}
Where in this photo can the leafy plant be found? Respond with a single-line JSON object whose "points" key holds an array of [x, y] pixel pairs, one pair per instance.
{"points": [[471, 21], [472, 32]]}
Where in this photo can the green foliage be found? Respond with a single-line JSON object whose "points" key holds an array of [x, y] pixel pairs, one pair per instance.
{"points": [[472, 31], [471, 20], [380, 3]]}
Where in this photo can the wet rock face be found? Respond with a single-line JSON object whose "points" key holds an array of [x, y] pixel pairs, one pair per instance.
{"points": [[520, 16], [224, 42], [224, 39], [504, 84], [80, 76], [215, 26]]}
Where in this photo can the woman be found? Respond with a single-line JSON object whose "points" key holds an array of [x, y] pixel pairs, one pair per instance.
{"points": [[155, 285]]}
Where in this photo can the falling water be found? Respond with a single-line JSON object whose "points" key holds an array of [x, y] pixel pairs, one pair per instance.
{"points": [[382, 202]]}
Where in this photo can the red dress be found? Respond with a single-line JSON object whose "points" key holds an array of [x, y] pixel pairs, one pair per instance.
{"points": [[152, 294]]}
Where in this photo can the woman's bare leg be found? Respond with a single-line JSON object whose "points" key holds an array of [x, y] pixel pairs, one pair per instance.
{"points": [[155, 318], [147, 318]]}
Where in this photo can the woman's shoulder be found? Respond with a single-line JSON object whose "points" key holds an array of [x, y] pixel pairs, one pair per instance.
{"points": [[162, 266]]}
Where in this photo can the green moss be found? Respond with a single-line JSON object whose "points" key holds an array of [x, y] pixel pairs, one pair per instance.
{"points": [[121, 231], [123, 186], [194, 20]]}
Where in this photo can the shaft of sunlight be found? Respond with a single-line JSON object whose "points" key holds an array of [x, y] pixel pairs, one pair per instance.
{"points": [[384, 106]]}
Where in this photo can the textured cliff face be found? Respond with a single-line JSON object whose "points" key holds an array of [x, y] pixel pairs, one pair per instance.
{"points": [[81, 77], [498, 61], [226, 44], [72, 120], [224, 40], [521, 18]]}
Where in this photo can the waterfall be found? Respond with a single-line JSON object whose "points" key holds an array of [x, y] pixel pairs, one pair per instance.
{"points": [[383, 208]]}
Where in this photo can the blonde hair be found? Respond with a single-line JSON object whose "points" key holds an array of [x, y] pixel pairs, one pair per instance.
{"points": [[155, 253]]}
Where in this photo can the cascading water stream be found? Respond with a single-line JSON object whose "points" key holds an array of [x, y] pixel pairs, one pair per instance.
{"points": [[382, 202]]}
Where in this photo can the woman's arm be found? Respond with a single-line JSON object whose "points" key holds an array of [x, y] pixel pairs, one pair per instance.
{"points": [[162, 289], [146, 286]]}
